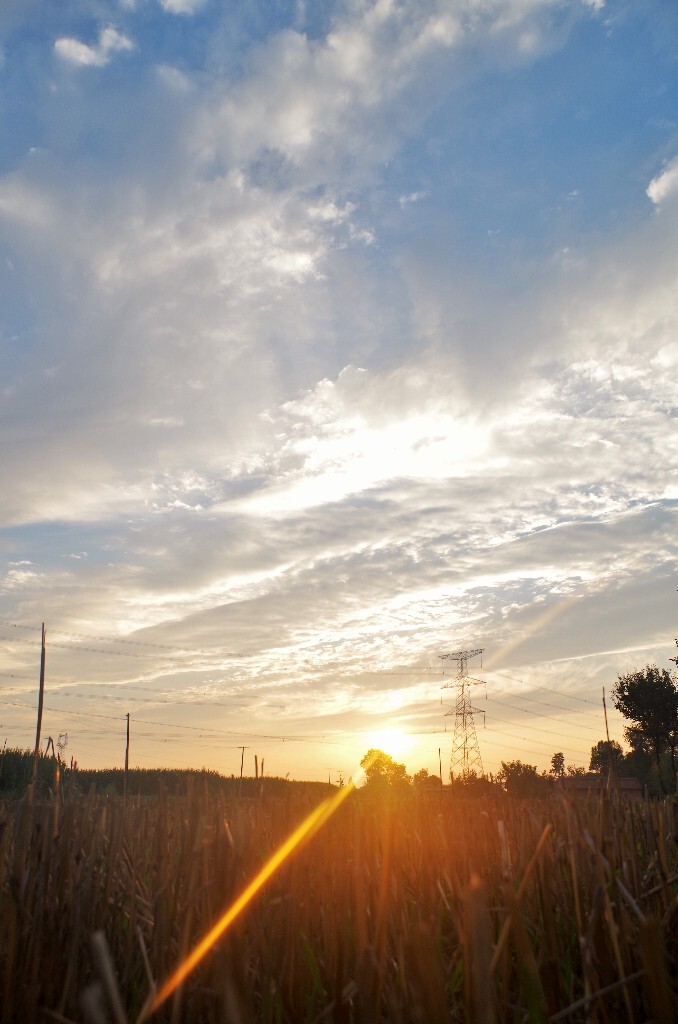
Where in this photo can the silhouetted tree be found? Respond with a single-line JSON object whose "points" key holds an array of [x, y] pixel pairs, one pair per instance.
{"points": [[422, 778], [606, 755], [558, 765], [382, 772], [649, 700], [522, 780]]}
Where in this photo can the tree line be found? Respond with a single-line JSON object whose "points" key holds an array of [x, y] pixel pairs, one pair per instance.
{"points": [[648, 700]]}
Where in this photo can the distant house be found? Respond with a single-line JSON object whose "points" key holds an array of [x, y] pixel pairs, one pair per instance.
{"points": [[592, 784]]}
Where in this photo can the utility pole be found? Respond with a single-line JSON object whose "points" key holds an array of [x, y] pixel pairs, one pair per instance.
{"points": [[40, 698], [242, 762], [124, 794], [465, 759], [611, 774], [607, 731]]}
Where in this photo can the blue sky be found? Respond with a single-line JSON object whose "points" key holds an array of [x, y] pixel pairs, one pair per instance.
{"points": [[334, 337]]}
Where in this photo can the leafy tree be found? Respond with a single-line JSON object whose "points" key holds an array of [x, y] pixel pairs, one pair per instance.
{"points": [[423, 779], [382, 772], [648, 698], [638, 764], [606, 755], [558, 765], [522, 780]]}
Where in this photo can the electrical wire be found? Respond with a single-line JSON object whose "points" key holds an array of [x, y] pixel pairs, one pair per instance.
{"points": [[105, 639]]}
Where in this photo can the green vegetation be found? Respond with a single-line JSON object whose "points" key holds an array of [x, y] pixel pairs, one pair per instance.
{"points": [[649, 700], [55, 777], [606, 756], [16, 772], [522, 780]]}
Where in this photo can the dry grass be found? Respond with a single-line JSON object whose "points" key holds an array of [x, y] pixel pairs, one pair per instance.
{"points": [[423, 909]]}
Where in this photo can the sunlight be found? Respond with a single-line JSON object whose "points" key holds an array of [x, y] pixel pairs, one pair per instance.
{"points": [[393, 741], [315, 820]]}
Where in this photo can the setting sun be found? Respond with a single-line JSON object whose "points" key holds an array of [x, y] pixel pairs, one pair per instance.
{"points": [[392, 741]]}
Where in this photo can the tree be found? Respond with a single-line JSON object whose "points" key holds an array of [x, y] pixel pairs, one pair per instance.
{"points": [[648, 698], [382, 772], [522, 780], [424, 780], [558, 765], [606, 755]]}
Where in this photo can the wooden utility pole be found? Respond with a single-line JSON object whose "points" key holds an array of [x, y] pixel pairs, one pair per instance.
{"points": [[126, 760], [242, 761], [611, 773], [40, 698], [607, 731]]}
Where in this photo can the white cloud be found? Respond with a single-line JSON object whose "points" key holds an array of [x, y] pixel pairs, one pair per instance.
{"points": [[182, 6], [76, 52], [413, 197], [665, 184], [359, 89]]}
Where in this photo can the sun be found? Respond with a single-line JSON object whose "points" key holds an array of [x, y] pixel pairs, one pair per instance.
{"points": [[393, 741]]}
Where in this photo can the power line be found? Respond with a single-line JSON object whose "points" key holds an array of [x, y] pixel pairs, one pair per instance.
{"points": [[85, 650], [186, 702], [547, 704], [549, 689], [105, 639], [64, 711], [529, 711], [176, 725]]}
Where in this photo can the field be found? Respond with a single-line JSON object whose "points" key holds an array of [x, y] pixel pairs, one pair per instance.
{"points": [[421, 908]]}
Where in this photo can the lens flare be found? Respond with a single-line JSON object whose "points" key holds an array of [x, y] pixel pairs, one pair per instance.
{"points": [[316, 819]]}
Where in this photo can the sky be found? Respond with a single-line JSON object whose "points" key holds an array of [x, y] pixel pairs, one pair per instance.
{"points": [[335, 337]]}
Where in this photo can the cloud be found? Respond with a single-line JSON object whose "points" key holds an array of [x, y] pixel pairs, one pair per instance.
{"points": [[413, 197], [182, 6], [380, 71], [665, 184], [284, 414], [24, 203], [110, 41]]}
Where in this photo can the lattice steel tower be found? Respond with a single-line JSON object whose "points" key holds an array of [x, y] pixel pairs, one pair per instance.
{"points": [[465, 759]]}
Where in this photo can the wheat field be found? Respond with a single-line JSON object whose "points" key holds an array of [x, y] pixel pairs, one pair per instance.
{"points": [[421, 908]]}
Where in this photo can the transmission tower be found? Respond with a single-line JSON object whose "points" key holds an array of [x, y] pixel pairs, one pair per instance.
{"points": [[465, 759]]}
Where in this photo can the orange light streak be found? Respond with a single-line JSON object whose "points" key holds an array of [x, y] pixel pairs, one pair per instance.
{"points": [[316, 819]]}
